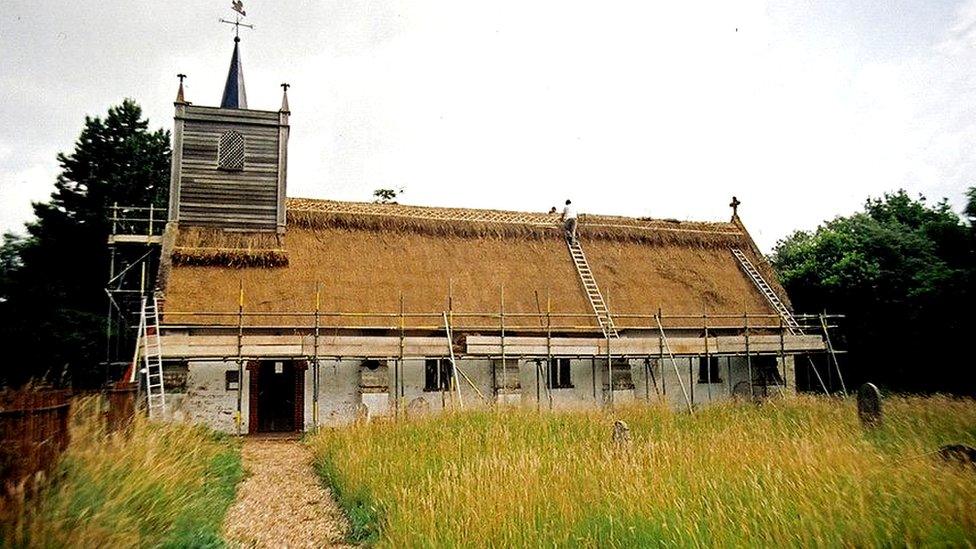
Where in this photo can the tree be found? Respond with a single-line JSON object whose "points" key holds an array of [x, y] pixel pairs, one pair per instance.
{"points": [[904, 273], [970, 210], [52, 303], [386, 196]]}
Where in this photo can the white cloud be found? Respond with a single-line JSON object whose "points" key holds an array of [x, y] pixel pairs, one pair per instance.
{"points": [[663, 109], [19, 190]]}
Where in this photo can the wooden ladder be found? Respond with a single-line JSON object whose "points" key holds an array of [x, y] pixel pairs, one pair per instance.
{"points": [[767, 291], [591, 289], [152, 357]]}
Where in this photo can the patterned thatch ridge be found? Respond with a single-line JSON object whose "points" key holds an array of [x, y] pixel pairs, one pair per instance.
{"points": [[467, 223], [215, 247]]}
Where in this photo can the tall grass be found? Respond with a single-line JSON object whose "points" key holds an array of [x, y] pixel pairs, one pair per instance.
{"points": [[788, 473], [158, 485]]}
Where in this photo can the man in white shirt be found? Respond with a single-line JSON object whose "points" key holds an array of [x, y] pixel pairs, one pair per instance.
{"points": [[569, 221]]}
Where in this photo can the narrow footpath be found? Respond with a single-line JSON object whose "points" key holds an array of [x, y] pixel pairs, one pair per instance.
{"points": [[281, 502]]}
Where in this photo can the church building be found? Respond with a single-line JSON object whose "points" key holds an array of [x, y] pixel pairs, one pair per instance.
{"points": [[282, 314]]}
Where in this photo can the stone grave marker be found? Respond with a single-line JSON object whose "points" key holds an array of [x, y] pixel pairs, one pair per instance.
{"points": [[869, 406]]}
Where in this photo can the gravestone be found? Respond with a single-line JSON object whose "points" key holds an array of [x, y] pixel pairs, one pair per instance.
{"points": [[621, 432], [869, 406], [958, 454], [362, 413], [418, 407]]}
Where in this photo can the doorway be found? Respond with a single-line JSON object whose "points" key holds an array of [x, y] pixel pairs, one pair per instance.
{"points": [[277, 389]]}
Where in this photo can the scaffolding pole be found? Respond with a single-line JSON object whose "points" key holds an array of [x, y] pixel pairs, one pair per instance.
{"points": [[240, 357], [830, 351], [677, 373], [315, 357]]}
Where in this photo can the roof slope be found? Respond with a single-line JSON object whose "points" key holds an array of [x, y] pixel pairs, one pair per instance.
{"points": [[363, 257]]}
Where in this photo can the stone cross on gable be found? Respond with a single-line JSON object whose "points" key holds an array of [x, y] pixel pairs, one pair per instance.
{"points": [[735, 207]]}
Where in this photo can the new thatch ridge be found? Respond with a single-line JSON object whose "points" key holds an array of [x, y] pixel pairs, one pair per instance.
{"points": [[207, 246], [469, 223]]}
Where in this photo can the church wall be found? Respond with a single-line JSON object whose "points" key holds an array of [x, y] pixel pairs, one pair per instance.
{"points": [[206, 399]]}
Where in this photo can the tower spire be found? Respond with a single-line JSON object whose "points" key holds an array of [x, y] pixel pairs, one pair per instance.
{"points": [[234, 95]]}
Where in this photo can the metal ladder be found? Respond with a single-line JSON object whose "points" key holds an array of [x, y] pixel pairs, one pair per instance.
{"points": [[764, 288], [152, 357], [789, 321], [592, 291]]}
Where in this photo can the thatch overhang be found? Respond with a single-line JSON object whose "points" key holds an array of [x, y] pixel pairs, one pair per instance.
{"points": [[369, 258]]}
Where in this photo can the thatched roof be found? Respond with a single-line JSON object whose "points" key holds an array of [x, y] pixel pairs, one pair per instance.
{"points": [[363, 257]]}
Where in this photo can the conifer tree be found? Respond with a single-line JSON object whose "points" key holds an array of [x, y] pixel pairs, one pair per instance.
{"points": [[52, 299]]}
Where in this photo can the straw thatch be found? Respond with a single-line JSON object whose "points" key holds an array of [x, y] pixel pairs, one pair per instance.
{"points": [[208, 246], [468, 223], [363, 257], [678, 280], [367, 271]]}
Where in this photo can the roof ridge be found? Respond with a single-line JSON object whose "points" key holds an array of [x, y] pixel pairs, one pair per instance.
{"points": [[534, 219]]}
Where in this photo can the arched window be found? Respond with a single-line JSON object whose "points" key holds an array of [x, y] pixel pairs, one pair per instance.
{"points": [[230, 152]]}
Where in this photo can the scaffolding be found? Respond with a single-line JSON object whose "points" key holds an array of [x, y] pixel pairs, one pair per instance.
{"points": [[318, 335], [134, 245]]}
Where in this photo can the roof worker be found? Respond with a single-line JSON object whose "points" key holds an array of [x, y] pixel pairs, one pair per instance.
{"points": [[552, 210], [569, 222]]}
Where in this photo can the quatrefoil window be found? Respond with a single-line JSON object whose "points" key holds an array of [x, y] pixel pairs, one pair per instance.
{"points": [[230, 152]]}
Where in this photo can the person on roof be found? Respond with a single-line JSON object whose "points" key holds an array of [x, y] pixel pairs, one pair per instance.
{"points": [[569, 221]]}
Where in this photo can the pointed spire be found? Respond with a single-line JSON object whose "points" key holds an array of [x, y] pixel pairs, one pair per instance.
{"points": [[234, 94], [284, 98], [179, 94]]}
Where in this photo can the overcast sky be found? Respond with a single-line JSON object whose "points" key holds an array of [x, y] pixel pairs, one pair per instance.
{"points": [[800, 108]]}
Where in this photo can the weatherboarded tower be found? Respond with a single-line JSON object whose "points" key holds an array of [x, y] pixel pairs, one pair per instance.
{"points": [[229, 162]]}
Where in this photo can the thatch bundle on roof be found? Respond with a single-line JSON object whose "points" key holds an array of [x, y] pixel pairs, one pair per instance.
{"points": [[208, 246]]}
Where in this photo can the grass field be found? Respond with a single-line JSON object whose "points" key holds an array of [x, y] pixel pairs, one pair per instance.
{"points": [[788, 473], [163, 485]]}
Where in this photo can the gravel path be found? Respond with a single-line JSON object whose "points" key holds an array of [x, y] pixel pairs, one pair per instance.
{"points": [[281, 502]]}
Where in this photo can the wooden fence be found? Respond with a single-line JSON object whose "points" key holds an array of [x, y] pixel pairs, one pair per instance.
{"points": [[35, 428], [33, 433]]}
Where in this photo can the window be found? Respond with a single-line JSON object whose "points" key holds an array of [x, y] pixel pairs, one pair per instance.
{"points": [[232, 380], [230, 152], [559, 375], [437, 374], [765, 372], [708, 371]]}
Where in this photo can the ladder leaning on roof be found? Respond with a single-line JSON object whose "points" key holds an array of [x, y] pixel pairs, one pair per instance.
{"points": [[789, 321], [592, 291], [767, 291], [148, 345]]}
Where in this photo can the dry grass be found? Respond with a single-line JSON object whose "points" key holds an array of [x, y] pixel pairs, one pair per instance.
{"points": [[798, 473], [162, 484]]}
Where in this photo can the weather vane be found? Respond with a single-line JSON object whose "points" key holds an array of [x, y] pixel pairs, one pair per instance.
{"points": [[238, 6]]}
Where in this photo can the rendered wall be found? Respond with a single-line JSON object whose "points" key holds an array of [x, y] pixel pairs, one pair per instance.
{"points": [[206, 399], [340, 399]]}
